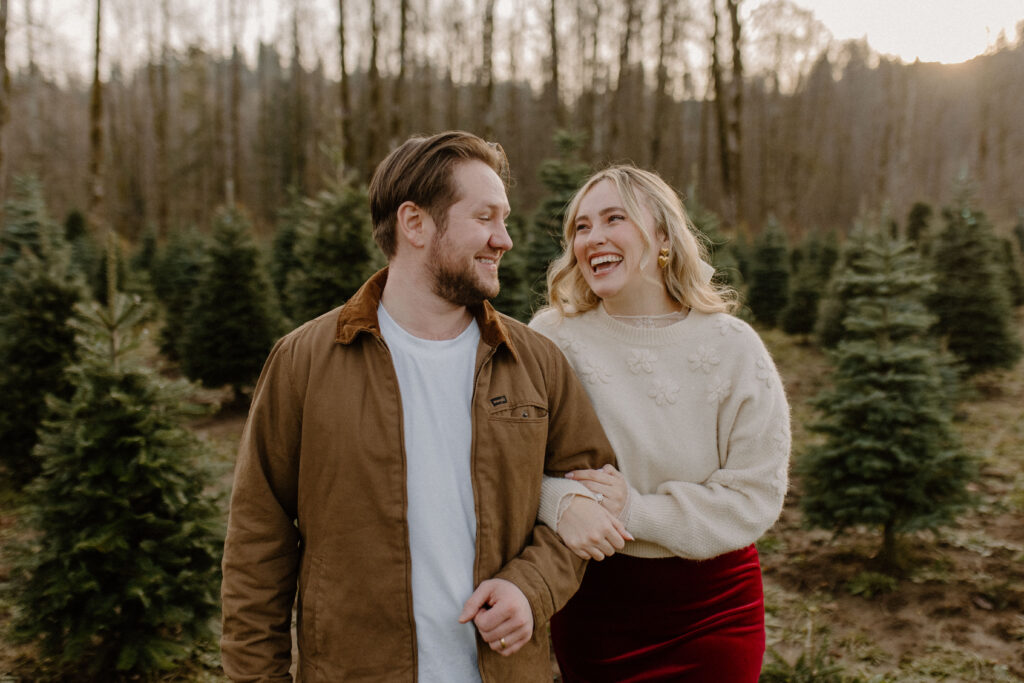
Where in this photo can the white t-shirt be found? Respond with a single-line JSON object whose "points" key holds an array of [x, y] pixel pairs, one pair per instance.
{"points": [[435, 379]]}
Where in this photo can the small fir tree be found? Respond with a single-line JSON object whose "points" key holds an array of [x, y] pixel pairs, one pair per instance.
{"points": [[890, 458], [119, 579], [27, 227], [561, 177], [841, 288], [37, 297], [233, 320], [1013, 280], [282, 248], [811, 270], [769, 275], [85, 251], [514, 297], [722, 250], [333, 251], [918, 220], [175, 275], [972, 302]]}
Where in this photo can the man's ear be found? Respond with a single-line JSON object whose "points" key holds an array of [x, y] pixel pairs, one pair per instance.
{"points": [[414, 224]]}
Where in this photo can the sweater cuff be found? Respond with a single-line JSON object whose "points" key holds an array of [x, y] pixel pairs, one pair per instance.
{"points": [[555, 495]]}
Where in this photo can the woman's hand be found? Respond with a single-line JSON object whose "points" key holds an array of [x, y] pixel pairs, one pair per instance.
{"points": [[608, 484], [590, 531]]}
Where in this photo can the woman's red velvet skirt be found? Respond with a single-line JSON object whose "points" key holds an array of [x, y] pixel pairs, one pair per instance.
{"points": [[664, 619]]}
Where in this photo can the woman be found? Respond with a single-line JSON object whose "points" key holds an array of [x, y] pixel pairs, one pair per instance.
{"points": [[693, 405]]}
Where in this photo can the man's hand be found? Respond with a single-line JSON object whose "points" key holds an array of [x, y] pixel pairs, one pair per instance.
{"points": [[591, 531], [501, 613], [608, 484]]}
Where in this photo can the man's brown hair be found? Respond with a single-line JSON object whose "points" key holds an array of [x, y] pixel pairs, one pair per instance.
{"points": [[421, 171]]}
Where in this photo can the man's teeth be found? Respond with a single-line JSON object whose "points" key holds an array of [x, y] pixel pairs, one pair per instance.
{"points": [[607, 258]]}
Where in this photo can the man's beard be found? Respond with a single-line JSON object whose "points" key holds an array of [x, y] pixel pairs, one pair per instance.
{"points": [[457, 283]]}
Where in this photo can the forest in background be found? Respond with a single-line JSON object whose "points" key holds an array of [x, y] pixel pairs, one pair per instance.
{"points": [[755, 114]]}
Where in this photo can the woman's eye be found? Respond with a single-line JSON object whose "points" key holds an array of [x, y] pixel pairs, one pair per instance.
{"points": [[582, 227], [616, 217]]}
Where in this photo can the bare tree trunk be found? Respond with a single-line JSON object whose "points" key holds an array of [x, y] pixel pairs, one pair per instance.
{"points": [[661, 88], [298, 142], [376, 124], [618, 101], [736, 112], [5, 98], [452, 114], [398, 99], [96, 128], [345, 114], [233, 94], [158, 93], [486, 79], [554, 85]]}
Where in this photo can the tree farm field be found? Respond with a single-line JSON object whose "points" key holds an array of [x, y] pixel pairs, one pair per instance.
{"points": [[956, 614]]}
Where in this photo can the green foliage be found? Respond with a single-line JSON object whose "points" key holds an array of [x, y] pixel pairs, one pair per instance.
{"points": [[1013, 280], [972, 302], [890, 457], [37, 294], [233, 320], [723, 251], [119, 577], [27, 228], [816, 666], [769, 275], [282, 249], [333, 252], [561, 177], [841, 288], [175, 275], [918, 221], [514, 298], [85, 252], [812, 264], [145, 255], [869, 584]]}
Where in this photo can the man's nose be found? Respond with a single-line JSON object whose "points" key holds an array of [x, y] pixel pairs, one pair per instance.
{"points": [[500, 239]]}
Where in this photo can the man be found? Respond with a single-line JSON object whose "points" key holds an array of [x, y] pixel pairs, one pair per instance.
{"points": [[390, 468]]}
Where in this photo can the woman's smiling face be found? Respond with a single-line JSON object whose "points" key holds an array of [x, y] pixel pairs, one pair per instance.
{"points": [[612, 255]]}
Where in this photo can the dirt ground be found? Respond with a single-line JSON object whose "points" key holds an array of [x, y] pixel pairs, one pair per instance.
{"points": [[956, 615]]}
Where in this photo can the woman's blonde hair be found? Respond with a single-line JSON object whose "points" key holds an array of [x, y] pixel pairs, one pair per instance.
{"points": [[685, 277]]}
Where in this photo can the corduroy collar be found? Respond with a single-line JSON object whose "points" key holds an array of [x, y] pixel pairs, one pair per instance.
{"points": [[359, 314]]}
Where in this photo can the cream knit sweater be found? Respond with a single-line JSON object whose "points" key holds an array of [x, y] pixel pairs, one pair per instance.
{"points": [[698, 418]]}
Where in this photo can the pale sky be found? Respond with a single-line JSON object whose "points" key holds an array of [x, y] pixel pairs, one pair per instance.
{"points": [[947, 31]]}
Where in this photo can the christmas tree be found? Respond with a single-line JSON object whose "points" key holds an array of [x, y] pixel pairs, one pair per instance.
{"points": [[890, 458], [120, 575], [38, 290], [175, 275], [811, 266], [333, 251], [233, 318], [561, 177], [769, 275], [841, 288], [972, 302]]}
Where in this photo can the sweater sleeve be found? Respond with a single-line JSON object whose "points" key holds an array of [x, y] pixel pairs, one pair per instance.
{"points": [[555, 495], [741, 500]]}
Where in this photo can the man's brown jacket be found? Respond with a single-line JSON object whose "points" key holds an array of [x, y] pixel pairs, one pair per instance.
{"points": [[319, 500]]}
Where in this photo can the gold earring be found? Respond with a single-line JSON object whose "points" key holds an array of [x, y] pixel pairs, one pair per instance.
{"points": [[663, 258]]}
